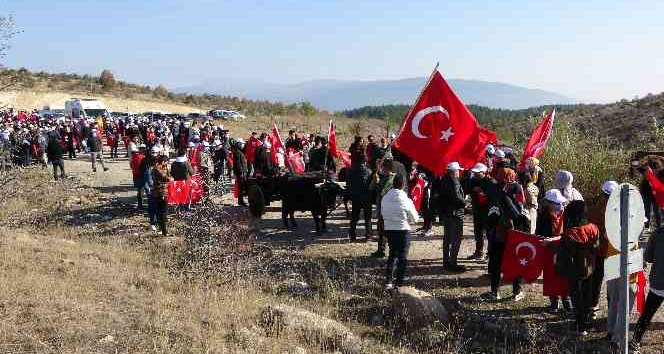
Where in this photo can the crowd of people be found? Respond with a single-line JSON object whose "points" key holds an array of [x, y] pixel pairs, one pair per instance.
{"points": [[500, 194]]}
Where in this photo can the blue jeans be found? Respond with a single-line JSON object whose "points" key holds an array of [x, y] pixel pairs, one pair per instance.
{"points": [[399, 245], [152, 209]]}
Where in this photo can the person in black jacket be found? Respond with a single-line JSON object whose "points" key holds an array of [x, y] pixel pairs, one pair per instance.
{"points": [[359, 179], [452, 204], [54, 153], [240, 170], [480, 204]]}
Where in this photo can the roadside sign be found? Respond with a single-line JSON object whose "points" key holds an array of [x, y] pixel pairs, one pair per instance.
{"points": [[624, 220], [612, 264], [637, 215]]}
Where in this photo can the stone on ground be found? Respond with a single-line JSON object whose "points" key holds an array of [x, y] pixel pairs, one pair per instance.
{"points": [[313, 329], [415, 309]]}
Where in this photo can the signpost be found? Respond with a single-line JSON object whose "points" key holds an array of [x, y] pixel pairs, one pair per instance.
{"points": [[624, 224]]}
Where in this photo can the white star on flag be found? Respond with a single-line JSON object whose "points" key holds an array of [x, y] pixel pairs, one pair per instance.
{"points": [[447, 134], [179, 190], [523, 262]]}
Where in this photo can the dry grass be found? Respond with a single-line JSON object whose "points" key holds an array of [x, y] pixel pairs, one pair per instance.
{"points": [[80, 276]]}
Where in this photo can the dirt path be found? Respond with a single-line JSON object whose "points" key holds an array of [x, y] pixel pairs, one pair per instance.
{"points": [[425, 264]]}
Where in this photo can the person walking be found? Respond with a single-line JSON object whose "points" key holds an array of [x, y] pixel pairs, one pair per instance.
{"points": [[452, 204], [96, 153], [579, 246], [398, 213], [147, 166], [54, 153], [359, 180], [161, 176]]}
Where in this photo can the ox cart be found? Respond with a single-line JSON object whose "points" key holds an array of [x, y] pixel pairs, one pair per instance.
{"points": [[297, 192]]}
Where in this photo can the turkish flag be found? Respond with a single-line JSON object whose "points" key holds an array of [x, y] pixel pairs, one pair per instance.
{"points": [[334, 148], [440, 129], [554, 284], [332, 139], [295, 160], [252, 145], [537, 142], [178, 192], [657, 188], [417, 192], [196, 188], [522, 257], [135, 164], [277, 146], [345, 157]]}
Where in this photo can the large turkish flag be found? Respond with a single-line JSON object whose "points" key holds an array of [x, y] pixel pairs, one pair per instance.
{"points": [[522, 257], [440, 129]]}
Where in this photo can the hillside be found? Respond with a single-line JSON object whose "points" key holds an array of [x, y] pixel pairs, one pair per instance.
{"points": [[633, 123], [338, 95], [105, 85]]}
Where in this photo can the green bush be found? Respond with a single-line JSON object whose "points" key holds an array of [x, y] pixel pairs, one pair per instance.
{"points": [[589, 158]]}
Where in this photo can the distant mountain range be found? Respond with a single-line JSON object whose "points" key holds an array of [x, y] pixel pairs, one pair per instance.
{"points": [[336, 95]]}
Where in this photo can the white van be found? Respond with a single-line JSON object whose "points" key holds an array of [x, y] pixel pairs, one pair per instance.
{"points": [[88, 108]]}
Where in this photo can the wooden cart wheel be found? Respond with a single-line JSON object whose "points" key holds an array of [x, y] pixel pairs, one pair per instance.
{"points": [[256, 200]]}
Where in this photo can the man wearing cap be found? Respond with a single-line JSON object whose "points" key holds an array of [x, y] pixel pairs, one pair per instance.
{"points": [[452, 204], [480, 204]]}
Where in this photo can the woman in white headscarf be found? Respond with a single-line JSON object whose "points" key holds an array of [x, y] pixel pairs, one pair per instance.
{"points": [[563, 182]]}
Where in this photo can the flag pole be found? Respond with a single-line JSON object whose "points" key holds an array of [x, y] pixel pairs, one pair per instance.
{"points": [[410, 110], [329, 130]]}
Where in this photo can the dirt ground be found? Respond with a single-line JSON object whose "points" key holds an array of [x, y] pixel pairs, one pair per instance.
{"points": [[425, 267]]}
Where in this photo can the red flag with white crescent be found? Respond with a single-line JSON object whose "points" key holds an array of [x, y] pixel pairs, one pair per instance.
{"points": [[522, 257], [417, 192], [440, 129], [196, 188], [178, 192], [538, 139]]}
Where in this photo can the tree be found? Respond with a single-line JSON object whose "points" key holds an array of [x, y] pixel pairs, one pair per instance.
{"points": [[160, 91], [307, 109], [107, 80]]}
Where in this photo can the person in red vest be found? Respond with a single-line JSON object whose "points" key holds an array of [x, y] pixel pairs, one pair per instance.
{"points": [[137, 175], [550, 225], [579, 247]]}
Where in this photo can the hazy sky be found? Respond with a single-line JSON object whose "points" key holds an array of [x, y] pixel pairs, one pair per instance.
{"points": [[590, 50]]}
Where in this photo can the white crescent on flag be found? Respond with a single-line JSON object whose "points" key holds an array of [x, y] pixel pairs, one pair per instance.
{"points": [[415, 125], [528, 245]]}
